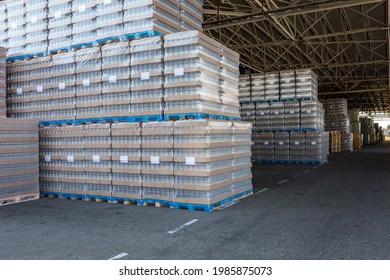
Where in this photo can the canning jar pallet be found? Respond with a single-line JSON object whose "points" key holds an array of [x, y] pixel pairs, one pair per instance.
{"points": [[18, 199]]}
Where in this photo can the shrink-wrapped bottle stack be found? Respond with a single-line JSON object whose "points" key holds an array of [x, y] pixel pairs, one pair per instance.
{"points": [[193, 164], [19, 180], [38, 27], [337, 119], [356, 129], [147, 80], [368, 130], [112, 85], [283, 108], [115, 80], [183, 75]]}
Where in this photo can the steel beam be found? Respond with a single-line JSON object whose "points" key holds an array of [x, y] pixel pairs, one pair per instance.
{"points": [[291, 10], [306, 42], [354, 91]]}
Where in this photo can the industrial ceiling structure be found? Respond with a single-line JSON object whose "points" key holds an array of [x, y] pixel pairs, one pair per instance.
{"points": [[345, 42]]}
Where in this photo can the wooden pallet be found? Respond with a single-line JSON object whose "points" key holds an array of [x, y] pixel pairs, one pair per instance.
{"points": [[18, 199], [243, 196], [155, 204]]}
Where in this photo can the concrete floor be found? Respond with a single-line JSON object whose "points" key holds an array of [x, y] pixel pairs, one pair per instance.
{"points": [[339, 210]]}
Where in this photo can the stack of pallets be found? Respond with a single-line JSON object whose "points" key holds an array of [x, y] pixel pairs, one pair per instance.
{"points": [[335, 141], [357, 141]]}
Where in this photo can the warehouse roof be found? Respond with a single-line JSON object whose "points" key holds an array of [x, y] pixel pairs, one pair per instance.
{"points": [[346, 42]]}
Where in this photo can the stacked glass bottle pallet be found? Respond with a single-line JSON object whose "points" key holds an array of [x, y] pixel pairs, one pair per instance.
{"points": [[337, 119], [280, 86], [355, 128], [245, 87], [300, 111], [188, 76], [2, 82], [147, 80], [157, 161], [201, 77], [368, 130], [19, 179], [291, 147], [184, 164], [115, 80], [126, 161], [31, 27], [282, 106]]}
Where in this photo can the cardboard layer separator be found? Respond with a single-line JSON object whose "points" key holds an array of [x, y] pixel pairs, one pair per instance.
{"points": [[19, 161]]}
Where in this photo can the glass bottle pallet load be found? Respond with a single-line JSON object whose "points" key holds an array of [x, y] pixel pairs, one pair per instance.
{"points": [[195, 164]]}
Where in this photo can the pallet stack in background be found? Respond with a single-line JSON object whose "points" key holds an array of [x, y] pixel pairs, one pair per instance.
{"points": [[40, 27], [368, 130], [19, 166], [379, 133], [337, 120], [193, 164], [356, 129], [283, 108], [335, 141]]}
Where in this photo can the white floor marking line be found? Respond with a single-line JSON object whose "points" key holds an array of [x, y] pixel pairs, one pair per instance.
{"points": [[281, 182], [263, 190], [315, 167], [182, 226], [228, 205], [121, 255], [307, 171], [295, 176]]}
